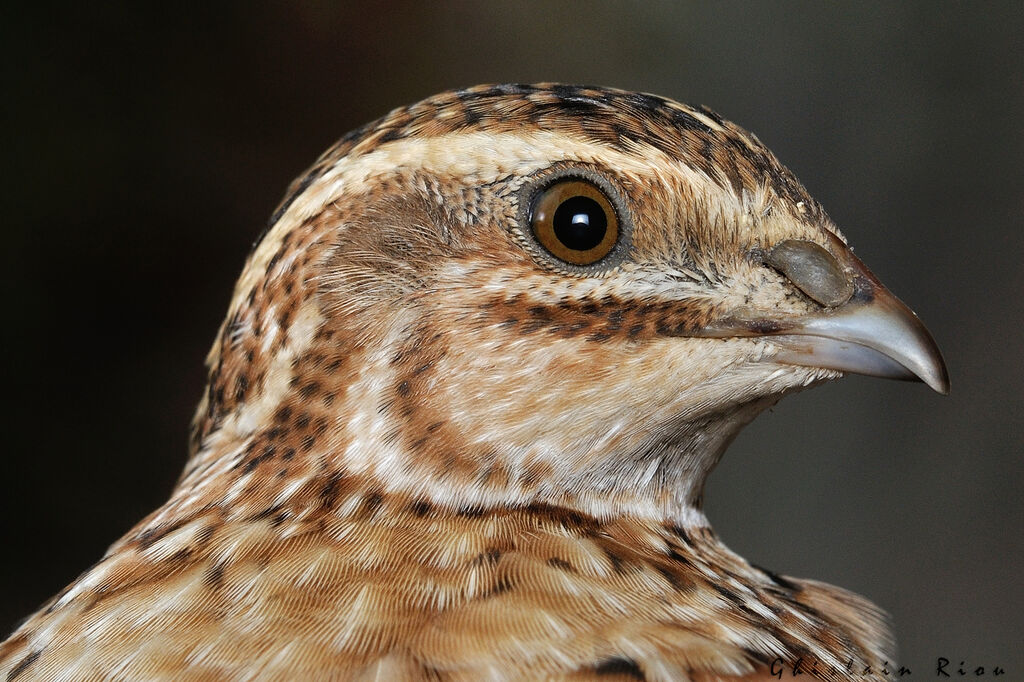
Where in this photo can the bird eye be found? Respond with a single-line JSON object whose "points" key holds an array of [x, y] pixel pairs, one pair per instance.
{"points": [[574, 220]]}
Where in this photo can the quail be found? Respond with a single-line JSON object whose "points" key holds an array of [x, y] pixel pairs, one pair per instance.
{"points": [[461, 410]]}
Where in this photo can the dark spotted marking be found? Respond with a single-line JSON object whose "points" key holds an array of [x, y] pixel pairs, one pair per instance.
{"points": [[647, 101], [778, 579], [680, 558], [572, 521], [618, 563], [204, 534], [561, 564], [502, 585], [265, 513], [372, 504], [472, 116], [535, 324], [620, 665], [680, 533], [540, 311], [309, 389], [599, 320], [150, 536], [268, 452], [320, 426], [706, 533], [390, 135], [421, 508], [213, 576], [241, 387], [471, 511], [23, 665], [330, 490], [675, 579], [274, 260], [491, 557]]}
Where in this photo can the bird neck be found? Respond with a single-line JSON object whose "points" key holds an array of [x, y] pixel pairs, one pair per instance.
{"points": [[659, 480]]}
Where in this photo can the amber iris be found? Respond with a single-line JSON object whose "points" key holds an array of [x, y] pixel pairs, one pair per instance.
{"points": [[575, 221]]}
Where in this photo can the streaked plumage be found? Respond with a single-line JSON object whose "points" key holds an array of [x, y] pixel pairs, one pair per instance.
{"points": [[429, 449]]}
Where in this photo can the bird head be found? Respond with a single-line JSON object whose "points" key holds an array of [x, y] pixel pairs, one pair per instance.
{"points": [[547, 294]]}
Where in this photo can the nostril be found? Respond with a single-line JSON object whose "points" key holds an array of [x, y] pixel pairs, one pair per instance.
{"points": [[812, 270]]}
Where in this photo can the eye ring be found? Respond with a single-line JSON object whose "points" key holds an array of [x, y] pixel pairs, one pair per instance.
{"points": [[576, 217]]}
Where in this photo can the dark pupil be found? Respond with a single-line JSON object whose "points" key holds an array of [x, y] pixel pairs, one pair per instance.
{"points": [[580, 223]]}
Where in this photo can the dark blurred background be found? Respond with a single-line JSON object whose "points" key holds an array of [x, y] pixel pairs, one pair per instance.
{"points": [[145, 148]]}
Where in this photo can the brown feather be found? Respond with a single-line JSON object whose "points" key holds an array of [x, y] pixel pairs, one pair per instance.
{"points": [[428, 451]]}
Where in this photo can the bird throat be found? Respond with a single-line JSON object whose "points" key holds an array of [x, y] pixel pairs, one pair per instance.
{"points": [[663, 478]]}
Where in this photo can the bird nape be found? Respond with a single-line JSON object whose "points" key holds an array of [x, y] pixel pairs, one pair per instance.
{"points": [[462, 407]]}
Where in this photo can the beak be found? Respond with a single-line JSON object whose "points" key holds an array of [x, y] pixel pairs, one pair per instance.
{"points": [[862, 327]]}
